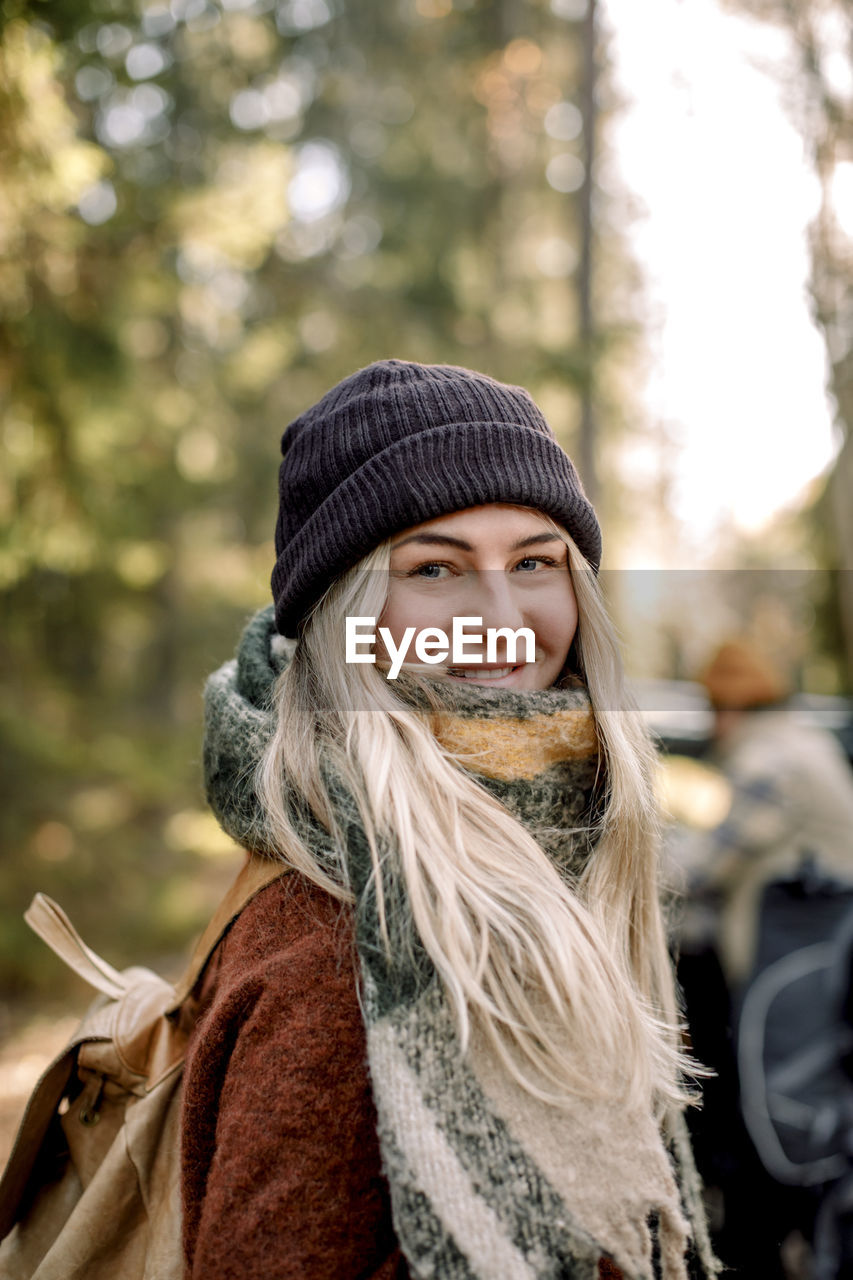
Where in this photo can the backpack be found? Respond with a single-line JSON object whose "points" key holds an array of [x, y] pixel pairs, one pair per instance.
{"points": [[795, 1050], [91, 1190], [794, 1036]]}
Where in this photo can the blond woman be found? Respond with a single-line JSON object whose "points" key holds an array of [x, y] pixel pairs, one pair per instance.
{"points": [[444, 1042]]}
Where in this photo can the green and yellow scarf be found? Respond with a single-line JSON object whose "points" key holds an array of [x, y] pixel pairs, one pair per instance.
{"points": [[487, 1183]]}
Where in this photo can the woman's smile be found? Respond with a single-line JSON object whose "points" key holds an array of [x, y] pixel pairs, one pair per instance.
{"points": [[483, 674]]}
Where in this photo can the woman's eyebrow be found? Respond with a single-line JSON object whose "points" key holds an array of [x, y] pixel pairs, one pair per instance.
{"points": [[534, 539], [444, 540], [439, 539]]}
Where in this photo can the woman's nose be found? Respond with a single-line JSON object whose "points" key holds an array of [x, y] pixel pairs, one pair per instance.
{"points": [[494, 600]]}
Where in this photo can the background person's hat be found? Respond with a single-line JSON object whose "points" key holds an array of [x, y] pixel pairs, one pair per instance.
{"points": [[740, 677]]}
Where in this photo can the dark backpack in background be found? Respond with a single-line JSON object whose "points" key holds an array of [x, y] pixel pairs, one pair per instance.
{"points": [[795, 1048]]}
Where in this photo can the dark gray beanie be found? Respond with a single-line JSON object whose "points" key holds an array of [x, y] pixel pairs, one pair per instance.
{"points": [[396, 444]]}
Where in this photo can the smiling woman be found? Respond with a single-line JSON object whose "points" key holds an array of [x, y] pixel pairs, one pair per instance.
{"points": [[445, 1041]]}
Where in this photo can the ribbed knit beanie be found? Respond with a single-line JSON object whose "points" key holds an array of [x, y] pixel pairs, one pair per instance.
{"points": [[399, 443]]}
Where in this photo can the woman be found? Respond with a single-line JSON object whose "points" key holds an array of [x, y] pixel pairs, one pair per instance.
{"points": [[445, 1043]]}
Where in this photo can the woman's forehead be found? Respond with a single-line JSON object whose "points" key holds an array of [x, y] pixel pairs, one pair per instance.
{"points": [[491, 519]]}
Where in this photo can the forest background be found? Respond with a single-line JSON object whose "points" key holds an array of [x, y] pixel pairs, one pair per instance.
{"points": [[210, 211]]}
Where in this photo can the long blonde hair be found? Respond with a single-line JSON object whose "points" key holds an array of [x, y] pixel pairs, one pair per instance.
{"points": [[571, 983]]}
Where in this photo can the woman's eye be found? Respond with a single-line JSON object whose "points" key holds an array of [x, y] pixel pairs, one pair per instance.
{"points": [[531, 563], [431, 571]]}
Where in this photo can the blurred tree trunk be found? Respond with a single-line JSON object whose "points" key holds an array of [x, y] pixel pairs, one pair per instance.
{"points": [[587, 442], [842, 505]]}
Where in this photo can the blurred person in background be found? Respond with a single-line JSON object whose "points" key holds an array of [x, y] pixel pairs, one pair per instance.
{"points": [[791, 798], [775, 874]]}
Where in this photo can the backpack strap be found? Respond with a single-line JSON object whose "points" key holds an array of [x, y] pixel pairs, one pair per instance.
{"points": [[258, 871], [40, 1110], [52, 925]]}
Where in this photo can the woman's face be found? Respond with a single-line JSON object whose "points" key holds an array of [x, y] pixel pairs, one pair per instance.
{"points": [[500, 563]]}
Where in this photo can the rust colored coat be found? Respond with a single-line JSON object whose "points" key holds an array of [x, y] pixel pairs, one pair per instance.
{"points": [[281, 1174]]}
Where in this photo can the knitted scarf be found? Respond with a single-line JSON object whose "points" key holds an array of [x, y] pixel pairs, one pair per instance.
{"points": [[487, 1183]]}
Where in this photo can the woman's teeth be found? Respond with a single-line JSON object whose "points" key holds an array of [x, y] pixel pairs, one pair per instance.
{"points": [[477, 673]]}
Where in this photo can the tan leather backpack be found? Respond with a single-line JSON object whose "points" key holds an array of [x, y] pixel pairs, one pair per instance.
{"points": [[92, 1187]]}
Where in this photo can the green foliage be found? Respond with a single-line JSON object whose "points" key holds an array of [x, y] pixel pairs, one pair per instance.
{"points": [[211, 210]]}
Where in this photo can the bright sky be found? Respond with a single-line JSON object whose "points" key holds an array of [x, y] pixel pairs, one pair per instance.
{"points": [[738, 367]]}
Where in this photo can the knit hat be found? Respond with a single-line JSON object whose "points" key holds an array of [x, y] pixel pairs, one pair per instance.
{"points": [[396, 444], [740, 677]]}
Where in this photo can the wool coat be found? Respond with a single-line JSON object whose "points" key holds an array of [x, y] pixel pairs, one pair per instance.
{"points": [[281, 1175], [281, 1171]]}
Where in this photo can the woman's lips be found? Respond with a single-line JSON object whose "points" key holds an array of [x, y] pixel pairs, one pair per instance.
{"points": [[484, 672]]}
